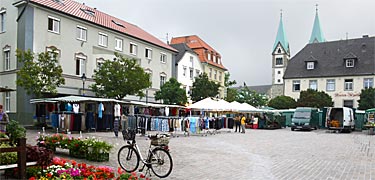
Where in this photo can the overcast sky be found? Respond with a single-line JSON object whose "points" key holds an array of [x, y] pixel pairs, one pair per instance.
{"points": [[244, 31]]}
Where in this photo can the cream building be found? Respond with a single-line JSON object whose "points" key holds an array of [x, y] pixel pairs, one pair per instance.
{"points": [[84, 37]]}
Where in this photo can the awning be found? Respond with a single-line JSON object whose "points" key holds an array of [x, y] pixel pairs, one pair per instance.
{"points": [[6, 89]]}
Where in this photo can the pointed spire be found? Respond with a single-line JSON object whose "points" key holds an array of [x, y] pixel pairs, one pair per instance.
{"points": [[281, 36], [317, 33]]}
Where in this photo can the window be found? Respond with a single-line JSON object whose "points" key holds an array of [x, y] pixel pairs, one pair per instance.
{"points": [[7, 59], [149, 71], [53, 24], [7, 101], [348, 103], [208, 56], [148, 53], [368, 83], [191, 73], [80, 64], [279, 51], [133, 49], [99, 63], [2, 20], [197, 72], [279, 61], [331, 85], [53, 52], [118, 45], [348, 86], [215, 74], [296, 85], [214, 58], [349, 63], [163, 77], [191, 59], [220, 75], [210, 73], [278, 72], [81, 33], [218, 60], [313, 84], [163, 57], [278, 80], [184, 71], [310, 65], [103, 39]]}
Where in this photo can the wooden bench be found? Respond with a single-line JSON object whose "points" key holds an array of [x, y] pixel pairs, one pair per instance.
{"points": [[21, 157]]}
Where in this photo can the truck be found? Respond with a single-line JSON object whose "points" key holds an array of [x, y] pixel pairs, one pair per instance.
{"points": [[305, 118], [340, 119]]}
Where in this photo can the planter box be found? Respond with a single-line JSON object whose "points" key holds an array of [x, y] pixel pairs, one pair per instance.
{"points": [[98, 157], [77, 154]]}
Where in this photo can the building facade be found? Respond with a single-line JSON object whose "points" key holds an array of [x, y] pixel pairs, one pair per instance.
{"points": [[210, 59], [84, 38], [188, 66], [339, 68]]}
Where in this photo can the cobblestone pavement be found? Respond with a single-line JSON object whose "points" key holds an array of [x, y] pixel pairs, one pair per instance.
{"points": [[260, 154]]}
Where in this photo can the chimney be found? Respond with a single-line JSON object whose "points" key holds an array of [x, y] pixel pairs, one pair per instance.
{"points": [[365, 36]]}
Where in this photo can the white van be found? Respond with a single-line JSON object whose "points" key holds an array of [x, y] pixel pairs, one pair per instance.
{"points": [[340, 118]]}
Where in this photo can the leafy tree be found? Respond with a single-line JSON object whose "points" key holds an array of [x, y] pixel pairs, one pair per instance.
{"points": [[43, 75], [282, 102], [251, 97], [231, 92], [314, 98], [172, 93], [203, 88], [119, 78], [367, 99]]}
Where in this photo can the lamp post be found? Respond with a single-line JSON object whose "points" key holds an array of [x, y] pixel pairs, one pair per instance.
{"points": [[83, 78]]}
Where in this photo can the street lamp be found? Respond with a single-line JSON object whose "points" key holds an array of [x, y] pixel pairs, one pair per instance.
{"points": [[83, 78]]}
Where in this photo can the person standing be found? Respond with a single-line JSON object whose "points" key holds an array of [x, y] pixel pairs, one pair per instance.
{"points": [[4, 120], [237, 122], [243, 121]]}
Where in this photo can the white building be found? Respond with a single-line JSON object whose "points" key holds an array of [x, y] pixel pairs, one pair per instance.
{"points": [[339, 68], [84, 37], [188, 66]]}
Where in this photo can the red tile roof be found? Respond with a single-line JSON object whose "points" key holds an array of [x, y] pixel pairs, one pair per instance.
{"points": [[76, 9], [196, 43]]}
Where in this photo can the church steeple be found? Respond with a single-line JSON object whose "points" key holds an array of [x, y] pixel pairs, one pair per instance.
{"points": [[281, 36], [317, 33]]}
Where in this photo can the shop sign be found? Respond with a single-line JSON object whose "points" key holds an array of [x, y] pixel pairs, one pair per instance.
{"points": [[349, 94]]}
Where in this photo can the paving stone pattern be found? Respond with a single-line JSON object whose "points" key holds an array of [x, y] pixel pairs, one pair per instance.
{"points": [[259, 154]]}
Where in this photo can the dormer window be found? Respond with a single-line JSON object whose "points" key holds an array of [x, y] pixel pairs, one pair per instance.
{"points": [[310, 65], [349, 62], [88, 11], [118, 23], [279, 51]]}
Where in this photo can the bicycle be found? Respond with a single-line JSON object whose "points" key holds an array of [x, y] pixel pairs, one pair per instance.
{"points": [[158, 158]]}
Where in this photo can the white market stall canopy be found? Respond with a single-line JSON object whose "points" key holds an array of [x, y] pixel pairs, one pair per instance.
{"points": [[243, 107], [210, 104], [74, 99]]}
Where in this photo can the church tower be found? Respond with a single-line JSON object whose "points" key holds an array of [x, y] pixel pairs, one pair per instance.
{"points": [[280, 58], [317, 33]]}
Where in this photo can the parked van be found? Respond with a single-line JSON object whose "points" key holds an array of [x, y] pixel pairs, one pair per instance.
{"points": [[340, 118], [305, 118]]}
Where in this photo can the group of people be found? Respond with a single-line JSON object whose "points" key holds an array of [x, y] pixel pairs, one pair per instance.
{"points": [[240, 122]]}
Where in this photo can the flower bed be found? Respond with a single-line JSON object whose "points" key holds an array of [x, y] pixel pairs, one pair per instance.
{"points": [[90, 148], [69, 169]]}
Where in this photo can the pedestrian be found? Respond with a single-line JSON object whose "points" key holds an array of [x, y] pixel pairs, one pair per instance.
{"points": [[4, 120], [243, 121], [237, 122]]}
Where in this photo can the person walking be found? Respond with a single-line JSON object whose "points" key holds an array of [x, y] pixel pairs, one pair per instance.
{"points": [[237, 122], [243, 121], [4, 120]]}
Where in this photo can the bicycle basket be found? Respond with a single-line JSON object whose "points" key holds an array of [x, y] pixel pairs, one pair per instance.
{"points": [[128, 134], [163, 141]]}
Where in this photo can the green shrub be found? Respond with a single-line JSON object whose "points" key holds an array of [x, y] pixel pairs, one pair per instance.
{"points": [[15, 131], [8, 157]]}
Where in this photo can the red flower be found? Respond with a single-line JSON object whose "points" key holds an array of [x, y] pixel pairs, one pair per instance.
{"points": [[142, 176], [32, 178], [49, 175], [74, 163]]}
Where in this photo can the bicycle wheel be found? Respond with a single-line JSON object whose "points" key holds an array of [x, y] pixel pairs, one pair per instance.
{"points": [[128, 158], [161, 162]]}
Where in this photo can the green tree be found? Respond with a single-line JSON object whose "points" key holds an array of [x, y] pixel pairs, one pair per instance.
{"points": [[231, 92], [282, 102], [314, 98], [39, 76], [119, 78], [203, 88], [367, 99], [251, 97], [172, 93]]}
